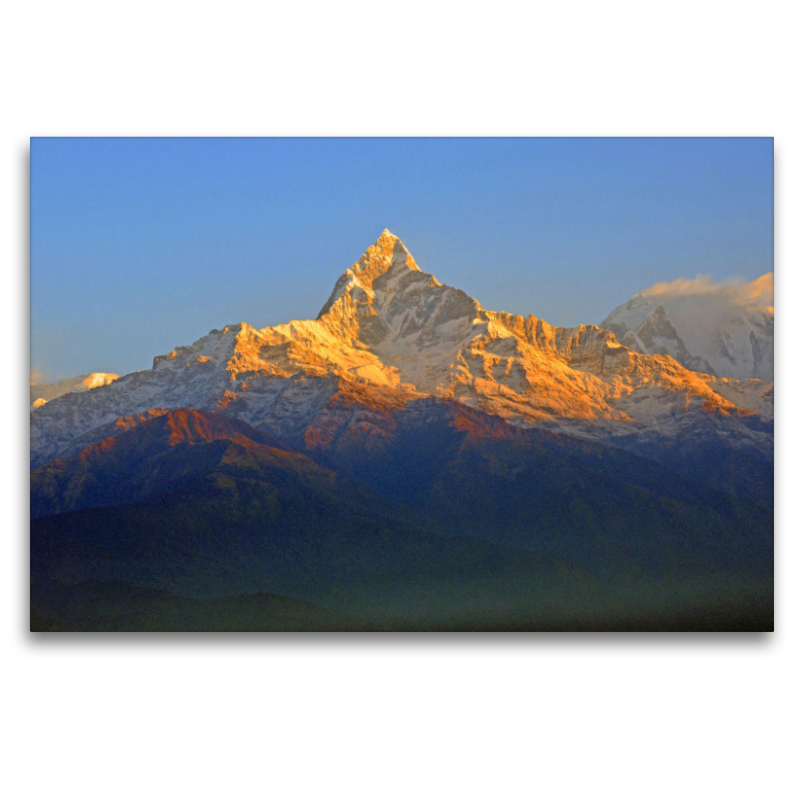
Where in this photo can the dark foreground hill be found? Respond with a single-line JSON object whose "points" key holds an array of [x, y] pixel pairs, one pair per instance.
{"points": [[461, 472], [120, 607], [458, 522]]}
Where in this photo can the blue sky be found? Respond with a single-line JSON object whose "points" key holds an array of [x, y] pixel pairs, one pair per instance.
{"points": [[139, 245]]}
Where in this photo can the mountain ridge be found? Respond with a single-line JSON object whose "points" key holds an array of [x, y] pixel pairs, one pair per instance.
{"points": [[42, 393], [725, 330], [390, 328]]}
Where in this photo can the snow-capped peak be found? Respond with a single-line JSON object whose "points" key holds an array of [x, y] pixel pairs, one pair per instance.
{"points": [[724, 329], [387, 254], [42, 393]]}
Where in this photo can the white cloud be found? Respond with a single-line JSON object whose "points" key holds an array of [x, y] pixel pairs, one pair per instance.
{"points": [[735, 292]]}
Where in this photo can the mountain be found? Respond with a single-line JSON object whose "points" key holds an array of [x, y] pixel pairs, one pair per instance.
{"points": [[407, 460], [394, 333], [458, 520], [431, 462], [42, 393], [203, 507], [466, 473], [156, 453], [719, 329]]}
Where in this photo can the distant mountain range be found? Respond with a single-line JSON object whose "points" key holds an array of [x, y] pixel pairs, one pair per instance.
{"points": [[411, 460], [719, 329], [42, 393]]}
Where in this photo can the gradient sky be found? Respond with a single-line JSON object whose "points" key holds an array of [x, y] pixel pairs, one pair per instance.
{"points": [[139, 245]]}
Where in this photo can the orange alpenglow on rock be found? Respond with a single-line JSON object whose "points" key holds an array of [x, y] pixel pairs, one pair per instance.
{"points": [[388, 325]]}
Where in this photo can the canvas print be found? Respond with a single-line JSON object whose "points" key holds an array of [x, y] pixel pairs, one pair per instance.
{"points": [[386, 385]]}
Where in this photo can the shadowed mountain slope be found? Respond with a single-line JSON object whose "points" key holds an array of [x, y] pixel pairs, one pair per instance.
{"points": [[152, 455], [208, 500], [230, 516]]}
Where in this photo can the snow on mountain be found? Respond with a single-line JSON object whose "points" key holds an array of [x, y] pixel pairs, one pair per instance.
{"points": [[42, 393], [722, 329], [388, 333]]}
